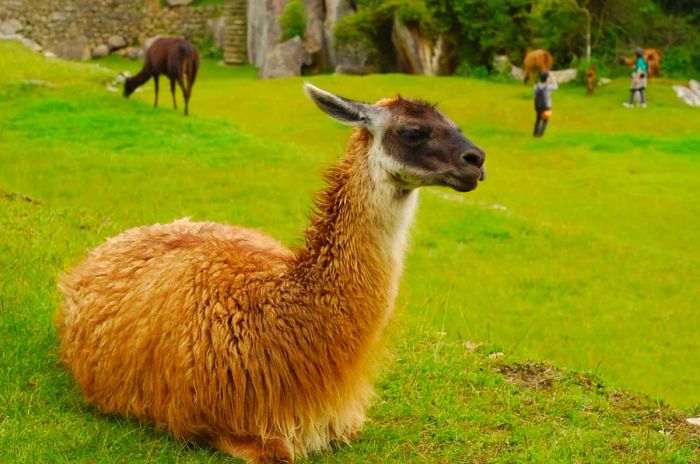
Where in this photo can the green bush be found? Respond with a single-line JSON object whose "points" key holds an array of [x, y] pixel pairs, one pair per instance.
{"points": [[677, 62], [293, 20]]}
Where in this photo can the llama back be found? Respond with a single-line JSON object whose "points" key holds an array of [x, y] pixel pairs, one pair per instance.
{"points": [[133, 325]]}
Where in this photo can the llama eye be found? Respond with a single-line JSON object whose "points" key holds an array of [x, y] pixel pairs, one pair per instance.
{"points": [[413, 135]]}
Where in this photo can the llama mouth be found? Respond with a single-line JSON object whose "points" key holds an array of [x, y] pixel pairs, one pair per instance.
{"points": [[461, 184]]}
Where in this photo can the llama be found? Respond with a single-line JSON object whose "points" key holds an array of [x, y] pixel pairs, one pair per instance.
{"points": [[222, 335], [589, 78], [176, 58], [535, 62], [653, 58]]}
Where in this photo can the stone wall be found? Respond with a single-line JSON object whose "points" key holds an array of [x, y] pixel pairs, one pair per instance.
{"points": [[94, 22]]}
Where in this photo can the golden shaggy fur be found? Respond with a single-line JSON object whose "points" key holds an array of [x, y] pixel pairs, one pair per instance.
{"points": [[535, 62], [222, 335]]}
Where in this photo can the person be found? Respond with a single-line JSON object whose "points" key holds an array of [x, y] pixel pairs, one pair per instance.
{"points": [[639, 80], [543, 101]]}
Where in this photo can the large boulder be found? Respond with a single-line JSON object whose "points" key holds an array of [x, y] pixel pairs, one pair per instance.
{"points": [[416, 53], [10, 27], [100, 51], [286, 59], [565, 75], [116, 42], [315, 37], [217, 27], [335, 10], [263, 29], [76, 48]]}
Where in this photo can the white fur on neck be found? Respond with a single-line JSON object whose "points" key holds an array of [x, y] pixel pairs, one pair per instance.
{"points": [[396, 209]]}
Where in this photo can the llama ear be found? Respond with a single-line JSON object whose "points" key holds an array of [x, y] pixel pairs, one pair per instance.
{"points": [[347, 111]]}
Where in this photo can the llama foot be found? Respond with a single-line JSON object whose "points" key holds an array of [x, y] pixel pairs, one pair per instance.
{"points": [[255, 450]]}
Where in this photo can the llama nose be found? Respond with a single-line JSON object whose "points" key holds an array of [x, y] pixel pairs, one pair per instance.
{"points": [[475, 156]]}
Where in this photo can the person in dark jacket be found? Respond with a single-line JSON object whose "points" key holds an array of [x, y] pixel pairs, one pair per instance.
{"points": [[543, 101]]}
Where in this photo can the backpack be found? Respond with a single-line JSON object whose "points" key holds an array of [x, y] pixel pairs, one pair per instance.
{"points": [[540, 97]]}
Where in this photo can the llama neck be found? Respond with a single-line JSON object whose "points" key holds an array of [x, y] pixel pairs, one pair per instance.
{"points": [[141, 78], [355, 243]]}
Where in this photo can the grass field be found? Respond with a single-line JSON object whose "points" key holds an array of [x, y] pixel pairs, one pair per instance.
{"points": [[580, 249]]}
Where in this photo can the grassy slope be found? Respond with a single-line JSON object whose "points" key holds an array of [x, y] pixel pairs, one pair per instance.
{"points": [[594, 263], [80, 164]]}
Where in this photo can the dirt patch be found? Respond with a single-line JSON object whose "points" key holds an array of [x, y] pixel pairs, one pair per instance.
{"points": [[535, 376], [17, 197]]}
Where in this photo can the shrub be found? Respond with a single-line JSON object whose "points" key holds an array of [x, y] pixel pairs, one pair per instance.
{"points": [[677, 62], [293, 20]]}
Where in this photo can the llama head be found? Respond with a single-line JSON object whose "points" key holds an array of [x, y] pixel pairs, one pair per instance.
{"points": [[129, 86], [414, 143]]}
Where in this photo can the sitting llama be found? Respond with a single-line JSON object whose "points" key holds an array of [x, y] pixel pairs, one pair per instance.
{"points": [[222, 335]]}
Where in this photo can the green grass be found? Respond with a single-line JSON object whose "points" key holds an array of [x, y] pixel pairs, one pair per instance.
{"points": [[581, 249]]}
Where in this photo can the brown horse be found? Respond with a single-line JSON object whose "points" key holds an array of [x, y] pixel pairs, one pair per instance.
{"points": [[176, 58]]}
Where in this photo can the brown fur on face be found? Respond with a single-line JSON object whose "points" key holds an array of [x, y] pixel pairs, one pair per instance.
{"points": [[223, 335]]}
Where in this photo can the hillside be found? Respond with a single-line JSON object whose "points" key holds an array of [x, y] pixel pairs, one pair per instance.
{"points": [[544, 261]]}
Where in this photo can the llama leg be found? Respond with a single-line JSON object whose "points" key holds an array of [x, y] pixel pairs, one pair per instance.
{"points": [[185, 93], [172, 91], [255, 450], [155, 82]]}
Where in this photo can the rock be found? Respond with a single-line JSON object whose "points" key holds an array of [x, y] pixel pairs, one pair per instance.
{"points": [[23, 40], [335, 10], [693, 421], [694, 86], [10, 27], [355, 69], [417, 54], [58, 16], [604, 81], [116, 42], [565, 75], [686, 94], [77, 49], [496, 355], [285, 59], [501, 64], [179, 2], [263, 29], [314, 36], [216, 28], [517, 73], [134, 53], [471, 346], [100, 51], [49, 55]]}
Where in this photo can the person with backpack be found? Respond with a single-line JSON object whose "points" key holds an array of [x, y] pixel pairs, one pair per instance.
{"points": [[543, 101], [639, 80]]}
